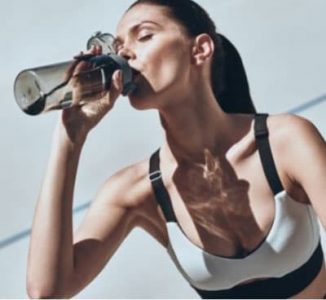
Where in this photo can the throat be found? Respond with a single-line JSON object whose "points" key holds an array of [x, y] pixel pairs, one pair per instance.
{"points": [[189, 130], [187, 140]]}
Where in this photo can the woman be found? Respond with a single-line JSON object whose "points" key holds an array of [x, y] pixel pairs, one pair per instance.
{"points": [[229, 194]]}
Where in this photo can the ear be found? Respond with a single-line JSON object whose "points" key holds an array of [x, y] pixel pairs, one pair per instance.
{"points": [[203, 49]]}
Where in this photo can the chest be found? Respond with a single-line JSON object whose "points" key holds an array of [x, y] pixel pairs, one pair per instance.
{"points": [[224, 210]]}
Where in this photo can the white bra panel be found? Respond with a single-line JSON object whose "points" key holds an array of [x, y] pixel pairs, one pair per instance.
{"points": [[289, 244]]}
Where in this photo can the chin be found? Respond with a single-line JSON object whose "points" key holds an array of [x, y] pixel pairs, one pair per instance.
{"points": [[140, 102], [142, 99]]}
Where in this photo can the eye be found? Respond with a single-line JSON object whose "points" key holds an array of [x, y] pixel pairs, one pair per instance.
{"points": [[145, 37]]}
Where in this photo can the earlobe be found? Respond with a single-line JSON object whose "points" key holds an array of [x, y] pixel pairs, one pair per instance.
{"points": [[203, 49]]}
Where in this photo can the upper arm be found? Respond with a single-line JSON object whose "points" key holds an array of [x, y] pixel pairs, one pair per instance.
{"points": [[307, 162], [107, 223]]}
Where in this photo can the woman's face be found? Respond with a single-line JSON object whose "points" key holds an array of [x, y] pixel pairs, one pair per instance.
{"points": [[158, 47]]}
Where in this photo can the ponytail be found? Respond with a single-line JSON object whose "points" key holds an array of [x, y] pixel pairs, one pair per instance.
{"points": [[229, 79]]}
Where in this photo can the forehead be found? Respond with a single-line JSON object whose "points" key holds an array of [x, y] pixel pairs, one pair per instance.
{"points": [[144, 12]]}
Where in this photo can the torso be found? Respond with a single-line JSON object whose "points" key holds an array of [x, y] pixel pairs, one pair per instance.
{"points": [[212, 213]]}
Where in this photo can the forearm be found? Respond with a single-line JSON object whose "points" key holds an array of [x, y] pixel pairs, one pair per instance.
{"points": [[51, 258]]}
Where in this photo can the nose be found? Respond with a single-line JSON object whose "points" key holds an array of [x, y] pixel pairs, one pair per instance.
{"points": [[126, 53]]}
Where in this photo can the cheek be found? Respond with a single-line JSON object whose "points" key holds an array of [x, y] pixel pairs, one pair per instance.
{"points": [[165, 63]]}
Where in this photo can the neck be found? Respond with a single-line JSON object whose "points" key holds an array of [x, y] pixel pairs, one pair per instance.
{"points": [[193, 125]]}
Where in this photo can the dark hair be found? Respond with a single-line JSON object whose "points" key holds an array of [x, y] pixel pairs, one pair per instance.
{"points": [[229, 80]]}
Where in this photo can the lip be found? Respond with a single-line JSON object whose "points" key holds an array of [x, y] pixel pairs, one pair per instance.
{"points": [[136, 75], [135, 72]]}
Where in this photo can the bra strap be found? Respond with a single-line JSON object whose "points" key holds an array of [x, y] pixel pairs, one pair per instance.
{"points": [[161, 194], [265, 153]]}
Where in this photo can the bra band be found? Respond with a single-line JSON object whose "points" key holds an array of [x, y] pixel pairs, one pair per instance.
{"points": [[273, 288]]}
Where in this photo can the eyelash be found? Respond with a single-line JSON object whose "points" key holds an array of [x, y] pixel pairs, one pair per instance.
{"points": [[145, 37], [142, 38]]}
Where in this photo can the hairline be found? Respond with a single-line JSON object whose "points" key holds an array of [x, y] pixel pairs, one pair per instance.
{"points": [[169, 13]]}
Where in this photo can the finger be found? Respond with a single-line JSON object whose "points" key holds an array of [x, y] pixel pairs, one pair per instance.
{"points": [[82, 66], [115, 90], [70, 70], [91, 50], [95, 50], [77, 64], [86, 55], [84, 58], [117, 84], [98, 50]]}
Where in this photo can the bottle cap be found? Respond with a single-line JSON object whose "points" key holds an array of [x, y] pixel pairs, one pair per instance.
{"points": [[105, 40]]}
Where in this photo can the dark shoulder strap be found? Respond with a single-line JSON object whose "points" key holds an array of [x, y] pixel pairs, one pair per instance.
{"points": [[161, 194], [265, 153]]}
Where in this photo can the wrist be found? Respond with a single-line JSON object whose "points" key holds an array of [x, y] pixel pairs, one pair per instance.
{"points": [[71, 138]]}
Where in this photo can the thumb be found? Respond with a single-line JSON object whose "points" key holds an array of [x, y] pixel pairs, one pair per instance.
{"points": [[117, 84], [115, 89]]}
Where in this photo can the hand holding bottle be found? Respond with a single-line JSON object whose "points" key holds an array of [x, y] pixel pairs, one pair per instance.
{"points": [[90, 103]]}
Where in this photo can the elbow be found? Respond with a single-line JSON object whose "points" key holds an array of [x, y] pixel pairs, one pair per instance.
{"points": [[37, 291]]}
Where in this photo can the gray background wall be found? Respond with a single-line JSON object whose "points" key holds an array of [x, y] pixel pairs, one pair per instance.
{"points": [[283, 46]]}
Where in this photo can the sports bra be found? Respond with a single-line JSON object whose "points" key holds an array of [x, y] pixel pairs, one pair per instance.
{"points": [[290, 256]]}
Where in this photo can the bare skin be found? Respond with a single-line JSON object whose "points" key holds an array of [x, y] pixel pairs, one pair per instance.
{"points": [[215, 178]]}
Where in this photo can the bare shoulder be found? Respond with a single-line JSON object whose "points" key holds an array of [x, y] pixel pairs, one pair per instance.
{"points": [[128, 187], [115, 210], [299, 151], [130, 192], [287, 131], [287, 124]]}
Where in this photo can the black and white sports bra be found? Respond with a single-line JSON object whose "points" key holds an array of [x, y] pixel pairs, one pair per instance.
{"points": [[290, 256]]}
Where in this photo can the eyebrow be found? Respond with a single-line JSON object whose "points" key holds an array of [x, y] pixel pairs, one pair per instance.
{"points": [[118, 40]]}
